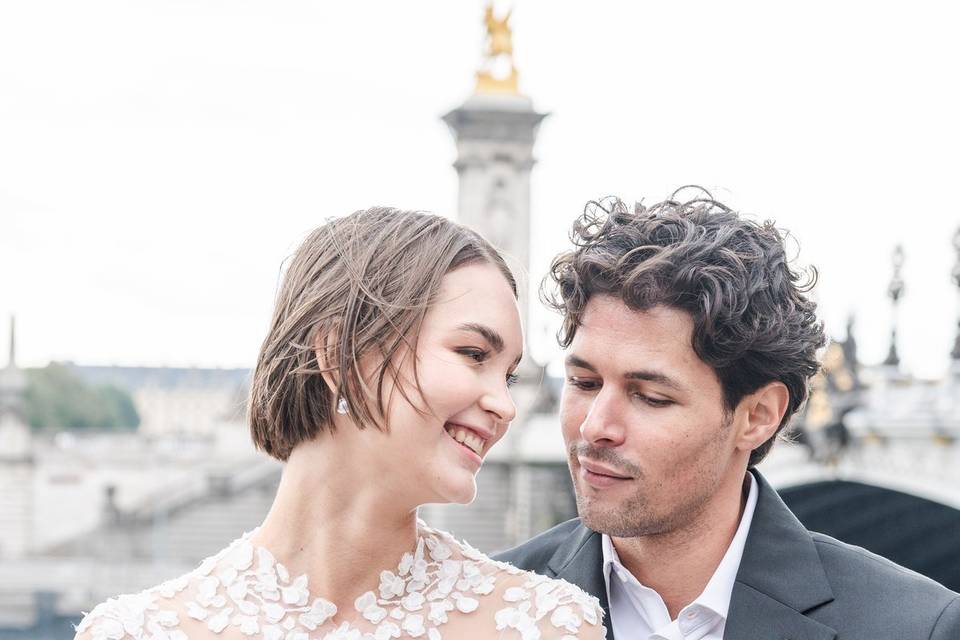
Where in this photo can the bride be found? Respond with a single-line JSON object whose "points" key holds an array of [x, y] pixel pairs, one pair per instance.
{"points": [[382, 384]]}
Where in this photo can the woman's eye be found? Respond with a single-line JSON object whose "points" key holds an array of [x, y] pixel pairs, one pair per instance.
{"points": [[512, 379], [477, 355], [582, 383]]}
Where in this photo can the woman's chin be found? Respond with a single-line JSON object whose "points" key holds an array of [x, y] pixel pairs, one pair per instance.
{"points": [[467, 498], [451, 484], [461, 492]]}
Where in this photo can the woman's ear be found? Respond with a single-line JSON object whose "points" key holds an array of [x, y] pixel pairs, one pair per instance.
{"points": [[764, 409], [324, 351]]}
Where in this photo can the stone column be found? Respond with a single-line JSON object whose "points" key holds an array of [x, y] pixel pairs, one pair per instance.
{"points": [[494, 134]]}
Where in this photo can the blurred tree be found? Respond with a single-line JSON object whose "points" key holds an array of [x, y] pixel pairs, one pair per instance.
{"points": [[56, 398]]}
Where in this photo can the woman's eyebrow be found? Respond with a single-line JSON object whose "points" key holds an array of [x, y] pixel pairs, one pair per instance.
{"points": [[491, 336]]}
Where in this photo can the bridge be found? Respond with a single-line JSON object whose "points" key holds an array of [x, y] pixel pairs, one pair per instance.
{"points": [[877, 462]]}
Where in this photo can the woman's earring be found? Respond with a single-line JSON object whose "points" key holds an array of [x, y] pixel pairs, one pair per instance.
{"points": [[342, 407]]}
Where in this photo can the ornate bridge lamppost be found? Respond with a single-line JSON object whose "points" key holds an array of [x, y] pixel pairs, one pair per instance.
{"points": [[895, 292], [948, 435]]}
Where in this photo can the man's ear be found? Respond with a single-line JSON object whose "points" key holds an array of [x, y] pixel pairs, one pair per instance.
{"points": [[764, 410]]}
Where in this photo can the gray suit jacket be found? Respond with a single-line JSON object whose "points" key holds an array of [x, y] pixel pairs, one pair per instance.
{"points": [[792, 584]]}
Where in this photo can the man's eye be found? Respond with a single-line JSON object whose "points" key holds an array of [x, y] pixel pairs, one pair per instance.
{"points": [[582, 383], [477, 355], [654, 402]]}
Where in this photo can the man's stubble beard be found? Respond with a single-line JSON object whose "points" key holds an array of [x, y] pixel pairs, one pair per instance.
{"points": [[634, 516]]}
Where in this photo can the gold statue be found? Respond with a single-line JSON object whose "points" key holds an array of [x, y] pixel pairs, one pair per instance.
{"points": [[499, 53], [835, 366], [819, 413], [501, 38]]}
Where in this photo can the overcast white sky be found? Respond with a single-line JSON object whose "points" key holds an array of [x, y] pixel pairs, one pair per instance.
{"points": [[158, 160]]}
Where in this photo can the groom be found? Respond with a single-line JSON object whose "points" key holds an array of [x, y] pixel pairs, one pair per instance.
{"points": [[690, 342]]}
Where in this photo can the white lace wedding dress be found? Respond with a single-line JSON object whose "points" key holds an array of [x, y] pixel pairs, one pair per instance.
{"points": [[442, 589]]}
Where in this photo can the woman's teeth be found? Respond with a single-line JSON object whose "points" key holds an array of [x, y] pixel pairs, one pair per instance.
{"points": [[464, 437]]}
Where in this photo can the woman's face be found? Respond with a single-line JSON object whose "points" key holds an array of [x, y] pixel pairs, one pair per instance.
{"points": [[469, 345]]}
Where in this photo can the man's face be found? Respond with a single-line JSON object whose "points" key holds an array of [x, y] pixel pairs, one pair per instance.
{"points": [[648, 437]]}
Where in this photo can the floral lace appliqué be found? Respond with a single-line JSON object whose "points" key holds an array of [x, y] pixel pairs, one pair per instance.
{"points": [[245, 587], [567, 605]]}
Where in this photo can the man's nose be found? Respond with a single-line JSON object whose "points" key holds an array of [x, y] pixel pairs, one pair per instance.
{"points": [[603, 424]]}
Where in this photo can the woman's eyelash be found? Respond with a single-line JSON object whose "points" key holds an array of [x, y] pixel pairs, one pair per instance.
{"points": [[479, 355]]}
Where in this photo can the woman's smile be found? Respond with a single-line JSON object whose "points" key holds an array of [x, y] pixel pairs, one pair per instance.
{"points": [[470, 443]]}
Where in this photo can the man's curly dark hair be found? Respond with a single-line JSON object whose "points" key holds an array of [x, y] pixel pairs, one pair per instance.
{"points": [[752, 322]]}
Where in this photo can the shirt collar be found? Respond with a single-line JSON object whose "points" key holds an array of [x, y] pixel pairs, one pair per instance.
{"points": [[716, 595], [610, 557]]}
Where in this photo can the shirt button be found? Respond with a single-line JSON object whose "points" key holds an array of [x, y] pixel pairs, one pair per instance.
{"points": [[691, 615]]}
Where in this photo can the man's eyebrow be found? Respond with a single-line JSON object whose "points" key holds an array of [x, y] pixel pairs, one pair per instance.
{"points": [[653, 376], [576, 361], [491, 336], [642, 374]]}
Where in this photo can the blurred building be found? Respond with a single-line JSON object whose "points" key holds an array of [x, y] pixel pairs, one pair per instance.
{"points": [[86, 515], [188, 402]]}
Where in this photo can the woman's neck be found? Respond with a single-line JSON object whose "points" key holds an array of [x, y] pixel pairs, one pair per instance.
{"points": [[336, 522]]}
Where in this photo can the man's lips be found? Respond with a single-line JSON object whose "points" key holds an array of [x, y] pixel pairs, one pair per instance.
{"points": [[600, 470]]}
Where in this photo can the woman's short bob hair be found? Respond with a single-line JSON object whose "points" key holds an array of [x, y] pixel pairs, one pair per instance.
{"points": [[358, 285]]}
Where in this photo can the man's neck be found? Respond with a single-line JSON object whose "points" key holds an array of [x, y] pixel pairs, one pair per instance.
{"points": [[679, 564]]}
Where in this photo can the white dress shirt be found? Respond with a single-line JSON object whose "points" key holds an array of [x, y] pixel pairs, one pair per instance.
{"points": [[639, 613]]}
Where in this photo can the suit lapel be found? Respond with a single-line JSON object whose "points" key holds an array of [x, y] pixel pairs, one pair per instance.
{"points": [[757, 616], [580, 560], [780, 577]]}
